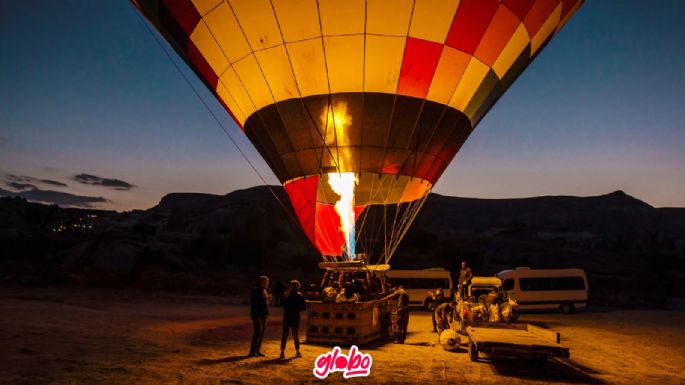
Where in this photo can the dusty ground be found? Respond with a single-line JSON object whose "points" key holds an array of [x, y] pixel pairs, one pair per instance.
{"points": [[106, 337]]}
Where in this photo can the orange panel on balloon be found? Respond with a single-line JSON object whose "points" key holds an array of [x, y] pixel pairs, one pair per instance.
{"points": [[418, 66], [502, 27]]}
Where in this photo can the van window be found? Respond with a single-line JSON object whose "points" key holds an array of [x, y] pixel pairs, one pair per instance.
{"points": [[508, 284], [552, 283]]}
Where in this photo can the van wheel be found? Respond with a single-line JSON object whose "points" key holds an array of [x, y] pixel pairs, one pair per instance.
{"points": [[567, 308]]}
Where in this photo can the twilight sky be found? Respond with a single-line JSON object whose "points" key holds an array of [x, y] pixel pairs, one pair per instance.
{"points": [[93, 113]]}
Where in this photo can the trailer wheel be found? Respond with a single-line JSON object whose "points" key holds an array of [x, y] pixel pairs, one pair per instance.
{"points": [[566, 308], [473, 351]]}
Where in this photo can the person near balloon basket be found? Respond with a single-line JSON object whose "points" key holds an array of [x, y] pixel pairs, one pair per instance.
{"points": [[259, 312], [400, 317], [293, 304]]}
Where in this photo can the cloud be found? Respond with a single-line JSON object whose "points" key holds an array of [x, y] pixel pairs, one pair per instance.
{"points": [[53, 182], [56, 197], [116, 184], [22, 186], [30, 179]]}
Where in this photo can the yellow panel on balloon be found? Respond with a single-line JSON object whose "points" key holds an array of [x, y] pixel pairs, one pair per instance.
{"points": [[546, 30], [251, 76], [342, 17], [511, 51], [257, 19], [472, 78], [230, 80], [204, 6], [383, 63], [432, 19], [386, 20], [299, 19], [415, 189], [279, 75], [450, 69], [209, 49], [227, 32], [309, 66], [345, 62], [230, 102]]}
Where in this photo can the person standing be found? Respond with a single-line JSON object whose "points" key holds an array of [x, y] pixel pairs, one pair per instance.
{"points": [[437, 298], [259, 312], [402, 313], [293, 304], [465, 276]]}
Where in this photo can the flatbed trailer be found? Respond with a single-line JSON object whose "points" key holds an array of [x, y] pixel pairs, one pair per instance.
{"points": [[519, 340]]}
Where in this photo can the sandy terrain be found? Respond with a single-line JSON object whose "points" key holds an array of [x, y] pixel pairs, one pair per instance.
{"points": [[105, 337]]}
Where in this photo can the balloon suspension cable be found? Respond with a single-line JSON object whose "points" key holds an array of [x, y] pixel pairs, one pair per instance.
{"points": [[216, 119]]}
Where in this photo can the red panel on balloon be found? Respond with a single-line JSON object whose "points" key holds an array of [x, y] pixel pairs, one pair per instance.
{"points": [[302, 193], [184, 12], [519, 7], [320, 221], [330, 240], [469, 24], [567, 6], [418, 66], [202, 66], [538, 15]]}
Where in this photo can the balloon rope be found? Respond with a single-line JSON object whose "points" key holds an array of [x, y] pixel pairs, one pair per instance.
{"points": [[216, 119], [415, 211]]}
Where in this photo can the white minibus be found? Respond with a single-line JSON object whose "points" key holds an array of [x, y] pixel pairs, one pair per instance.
{"points": [[539, 289], [417, 283]]}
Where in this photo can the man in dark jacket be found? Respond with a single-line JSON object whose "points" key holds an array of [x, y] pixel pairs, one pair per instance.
{"points": [[402, 313], [465, 276], [259, 311], [293, 304]]}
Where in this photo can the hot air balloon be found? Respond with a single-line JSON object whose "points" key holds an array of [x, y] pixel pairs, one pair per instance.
{"points": [[357, 106]]}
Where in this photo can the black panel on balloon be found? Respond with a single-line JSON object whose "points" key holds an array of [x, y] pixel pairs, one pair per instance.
{"points": [[358, 132]]}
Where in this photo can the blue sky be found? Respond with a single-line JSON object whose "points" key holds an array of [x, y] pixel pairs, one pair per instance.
{"points": [[84, 89]]}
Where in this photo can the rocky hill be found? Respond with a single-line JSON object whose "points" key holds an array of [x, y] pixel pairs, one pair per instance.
{"points": [[201, 242]]}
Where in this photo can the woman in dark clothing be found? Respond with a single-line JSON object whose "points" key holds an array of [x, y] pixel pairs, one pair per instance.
{"points": [[293, 304]]}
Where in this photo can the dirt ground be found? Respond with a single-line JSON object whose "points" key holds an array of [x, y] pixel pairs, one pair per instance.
{"points": [[67, 336]]}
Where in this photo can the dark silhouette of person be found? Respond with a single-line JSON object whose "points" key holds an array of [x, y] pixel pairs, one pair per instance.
{"points": [[293, 304], [259, 312], [444, 315], [437, 298], [402, 313], [465, 276]]}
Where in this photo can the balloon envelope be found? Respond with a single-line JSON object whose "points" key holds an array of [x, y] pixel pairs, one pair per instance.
{"points": [[388, 90]]}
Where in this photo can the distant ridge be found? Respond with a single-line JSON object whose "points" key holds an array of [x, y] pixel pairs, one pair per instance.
{"points": [[632, 251]]}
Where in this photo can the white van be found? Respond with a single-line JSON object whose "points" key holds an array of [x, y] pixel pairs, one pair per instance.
{"points": [[563, 289], [417, 283]]}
